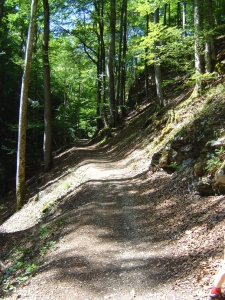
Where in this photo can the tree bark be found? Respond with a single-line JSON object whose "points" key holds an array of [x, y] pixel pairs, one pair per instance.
{"points": [[184, 18], [124, 54], [47, 145], [209, 45], [111, 58], [199, 58], [21, 149], [121, 69], [158, 72], [119, 63], [103, 67], [146, 63]]}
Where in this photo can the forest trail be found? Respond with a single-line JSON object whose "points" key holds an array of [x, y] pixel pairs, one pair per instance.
{"points": [[123, 232]]}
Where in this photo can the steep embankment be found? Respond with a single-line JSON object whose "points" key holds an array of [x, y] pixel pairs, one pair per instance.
{"points": [[108, 222]]}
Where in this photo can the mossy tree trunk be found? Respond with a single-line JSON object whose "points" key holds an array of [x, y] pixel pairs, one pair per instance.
{"points": [[47, 146], [21, 149]]}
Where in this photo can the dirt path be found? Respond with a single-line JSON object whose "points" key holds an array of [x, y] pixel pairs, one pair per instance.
{"points": [[127, 233]]}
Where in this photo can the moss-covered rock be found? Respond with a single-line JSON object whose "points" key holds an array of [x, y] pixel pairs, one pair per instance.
{"points": [[200, 165], [220, 175]]}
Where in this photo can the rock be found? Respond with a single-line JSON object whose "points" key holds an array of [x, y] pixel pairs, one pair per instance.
{"points": [[199, 167], [220, 175], [216, 144], [155, 159], [220, 179], [203, 187], [164, 159]]}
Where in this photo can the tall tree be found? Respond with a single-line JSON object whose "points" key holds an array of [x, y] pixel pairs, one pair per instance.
{"points": [[178, 14], [101, 66], [209, 44], [146, 63], [21, 149], [184, 18], [47, 146], [157, 66], [199, 58], [124, 54], [111, 64], [121, 65]]}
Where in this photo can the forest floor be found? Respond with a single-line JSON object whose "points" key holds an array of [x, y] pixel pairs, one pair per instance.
{"points": [[102, 225]]}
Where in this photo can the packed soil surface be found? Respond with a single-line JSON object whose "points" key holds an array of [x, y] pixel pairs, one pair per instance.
{"points": [[103, 225]]}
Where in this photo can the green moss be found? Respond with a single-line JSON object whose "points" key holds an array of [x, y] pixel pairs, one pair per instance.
{"points": [[167, 130], [199, 167], [159, 123], [188, 102], [220, 67]]}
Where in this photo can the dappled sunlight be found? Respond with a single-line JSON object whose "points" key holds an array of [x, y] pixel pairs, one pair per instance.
{"points": [[116, 227], [118, 237], [51, 193]]}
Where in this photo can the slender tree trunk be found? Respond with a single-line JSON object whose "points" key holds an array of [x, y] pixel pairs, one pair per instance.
{"points": [[119, 64], [121, 69], [112, 104], [99, 85], [123, 80], [47, 145], [165, 13], [63, 139], [209, 45], [21, 149], [178, 14], [101, 69], [218, 15], [103, 65], [199, 58], [35, 92], [169, 17], [146, 64], [158, 72], [184, 18]]}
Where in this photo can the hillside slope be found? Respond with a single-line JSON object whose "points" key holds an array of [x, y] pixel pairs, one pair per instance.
{"points": [[122, 218]]}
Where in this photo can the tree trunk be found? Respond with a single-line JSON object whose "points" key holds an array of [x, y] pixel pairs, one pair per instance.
{"points": [[119, 64], [209, 45], [47, 145], [178, 14], [124, 54], [169, 17], [121, 68], [101, 68], [165, 11], [184, 19], [158, 73], [146, 63], [21, 149], [199, 58], [112, 104], [218, 15]]}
